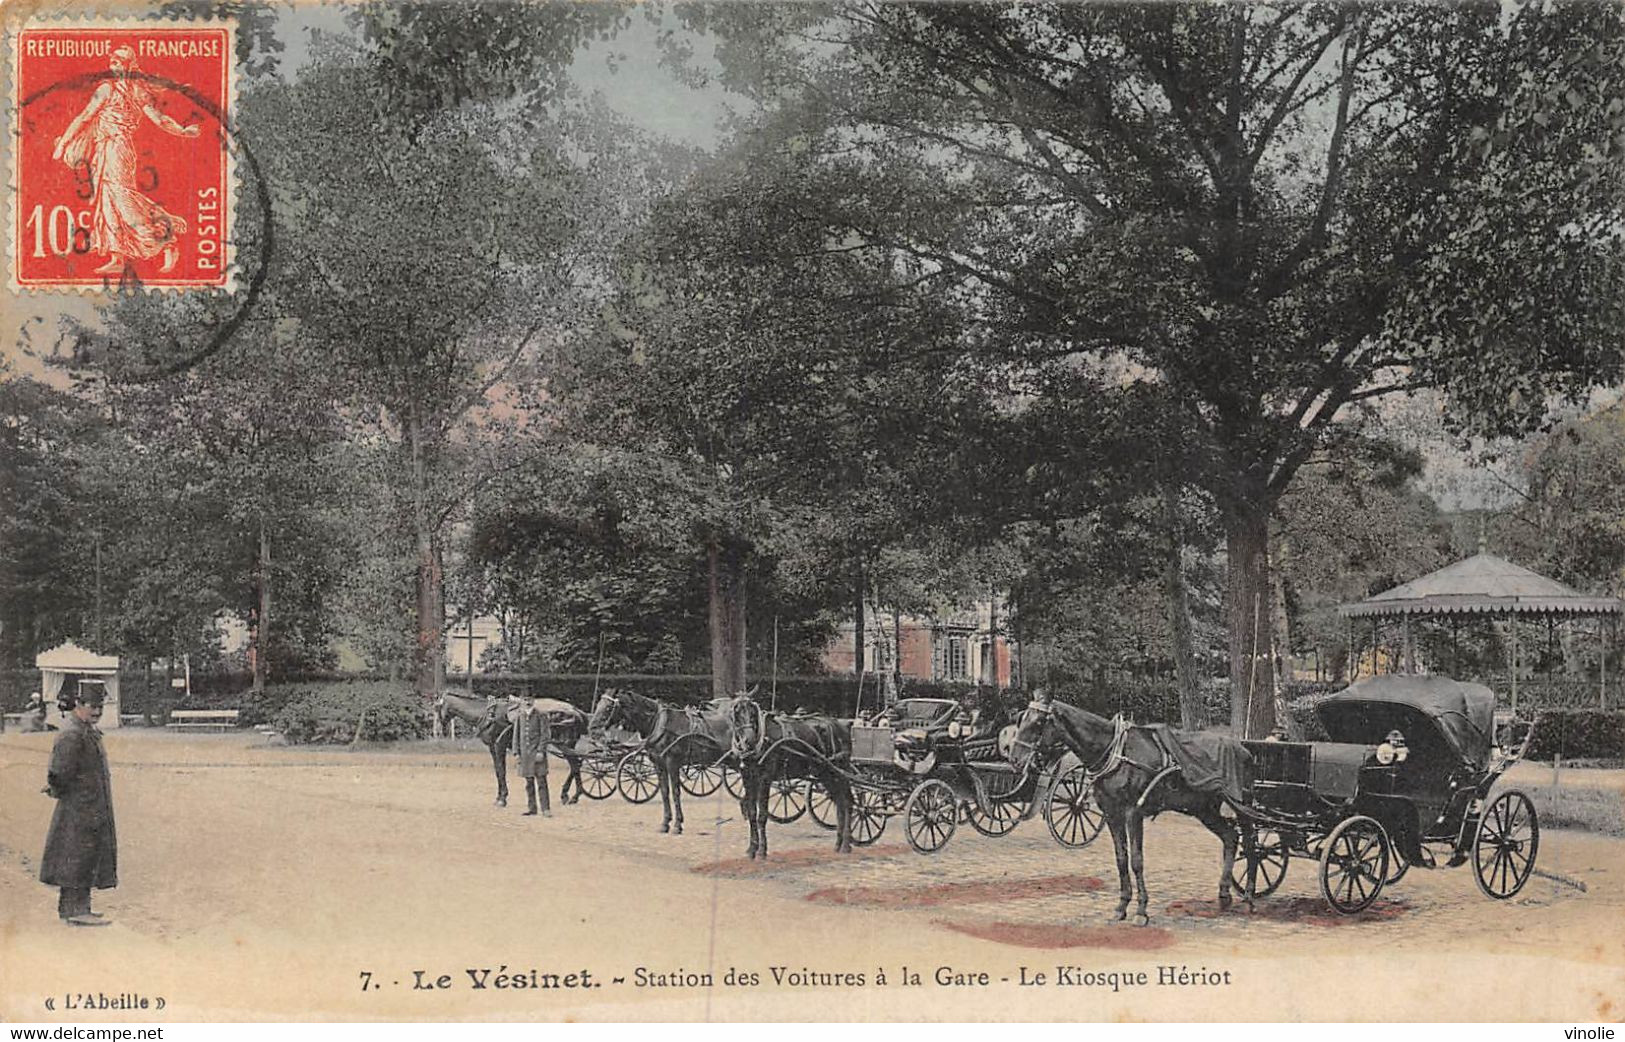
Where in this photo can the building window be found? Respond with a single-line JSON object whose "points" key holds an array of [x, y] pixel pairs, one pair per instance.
{"points": [[880, 652], [958, 658]]}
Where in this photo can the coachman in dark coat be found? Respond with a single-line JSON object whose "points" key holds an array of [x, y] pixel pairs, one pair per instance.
{"points": [[81, 850], [532, 731]]}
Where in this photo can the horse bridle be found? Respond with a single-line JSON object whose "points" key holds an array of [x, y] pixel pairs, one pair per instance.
{"points": [[1109, 761], [1017, 742], [740, 749]]}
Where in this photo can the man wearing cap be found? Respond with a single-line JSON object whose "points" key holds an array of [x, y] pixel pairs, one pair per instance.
{"points": [[81, 850], [530, 737]]}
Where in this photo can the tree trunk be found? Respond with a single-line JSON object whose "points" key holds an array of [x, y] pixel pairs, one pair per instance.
{"points": [[726, 574], [262, 613], [1281, 642], [1192, 713], [990, 661], [859, 636], [428, 658], [1250, 610]]}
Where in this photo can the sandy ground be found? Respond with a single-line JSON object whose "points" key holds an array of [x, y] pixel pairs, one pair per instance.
{"points": [[263, 883]]}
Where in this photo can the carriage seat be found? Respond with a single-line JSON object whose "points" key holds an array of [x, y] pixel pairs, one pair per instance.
{"points": [[1334, 768]]}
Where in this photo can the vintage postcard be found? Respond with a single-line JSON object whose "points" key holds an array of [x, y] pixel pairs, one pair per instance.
{"points": [[836, 511]]}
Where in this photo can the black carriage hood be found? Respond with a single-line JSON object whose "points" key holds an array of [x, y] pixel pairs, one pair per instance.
{"points": [[1462, 714]]}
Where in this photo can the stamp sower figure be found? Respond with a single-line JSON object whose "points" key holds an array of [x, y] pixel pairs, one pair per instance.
{"points": [[81, 850], [531, 734], [125, 223]]}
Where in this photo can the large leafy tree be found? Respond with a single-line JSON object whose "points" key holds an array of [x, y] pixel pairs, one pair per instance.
{"points": [[47, 553], [1273, 213], [429, 189], [809, 411], [1568, 518]]}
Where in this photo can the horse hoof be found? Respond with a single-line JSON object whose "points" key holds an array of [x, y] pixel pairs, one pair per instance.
{"points": [[1141, 919], [1224, 902], [502, 803], [665, 828], [1119, 917], [678, 831]]}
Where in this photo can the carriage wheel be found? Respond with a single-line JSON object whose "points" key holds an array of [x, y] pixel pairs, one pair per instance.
{"points": [[868, 816], [699, 780], [1070, 813], [1505, 847], [637, 778], [1397, 867], [821, 806], [786, 800], [734, 782], [931, 815], [1271, 857], [1354, 865], [1000, 819], [597, 777]]}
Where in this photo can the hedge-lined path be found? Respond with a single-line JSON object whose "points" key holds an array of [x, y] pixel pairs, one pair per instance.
{"points": [[238, 856]]}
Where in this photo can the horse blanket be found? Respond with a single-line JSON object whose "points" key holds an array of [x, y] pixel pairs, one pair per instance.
{"points": [[1209, 761]]}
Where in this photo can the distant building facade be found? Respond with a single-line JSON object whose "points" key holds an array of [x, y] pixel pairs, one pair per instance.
{"points": [[467, 640], [957, 647]]}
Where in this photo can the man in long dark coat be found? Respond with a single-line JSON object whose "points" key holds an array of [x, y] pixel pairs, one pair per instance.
{"points": [[531, 733], [81, 850]]}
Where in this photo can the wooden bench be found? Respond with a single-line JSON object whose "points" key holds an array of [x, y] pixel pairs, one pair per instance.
{"points": [[206, 719], [14, 721]]}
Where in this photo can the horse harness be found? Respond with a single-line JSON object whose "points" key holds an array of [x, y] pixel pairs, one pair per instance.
{"points": [[1115, 757]]}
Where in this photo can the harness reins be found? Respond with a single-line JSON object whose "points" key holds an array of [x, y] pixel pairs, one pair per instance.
{"points": [[1114, 757]]}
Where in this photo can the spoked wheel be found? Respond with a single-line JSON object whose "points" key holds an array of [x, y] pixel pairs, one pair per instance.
{"points": [[1354, 864], [1271, 856], [868, 816], [1397, 867], [931, 815], [821, 806], [698, 779], [1070, 812], [1001, 818], [786, 800], [734, 782], [597, 777], [1504, 849], [637, 778]]}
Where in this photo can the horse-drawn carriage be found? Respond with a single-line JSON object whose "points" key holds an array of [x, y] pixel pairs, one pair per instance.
{"points": [[1405, 781], [929, 761]]}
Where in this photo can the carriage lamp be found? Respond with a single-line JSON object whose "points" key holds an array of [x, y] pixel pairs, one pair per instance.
{"points": [[955, 728], [1392, 749]]}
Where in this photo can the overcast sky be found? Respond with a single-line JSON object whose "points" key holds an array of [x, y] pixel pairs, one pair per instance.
{"points": [[625, 71]]}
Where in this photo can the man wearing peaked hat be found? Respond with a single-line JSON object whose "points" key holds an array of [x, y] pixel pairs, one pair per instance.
{"points": [[81, 849], [531, 734]]}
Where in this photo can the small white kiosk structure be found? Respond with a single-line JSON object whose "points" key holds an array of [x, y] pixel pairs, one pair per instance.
{"points": [[93, 676]]}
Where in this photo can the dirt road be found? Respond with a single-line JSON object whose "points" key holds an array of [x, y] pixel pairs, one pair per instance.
{"points": [[262, 882]]}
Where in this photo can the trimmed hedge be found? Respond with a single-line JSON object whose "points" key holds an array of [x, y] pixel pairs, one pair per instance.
{"points": [[1578, 734], [367, 711], [1143, 701]]}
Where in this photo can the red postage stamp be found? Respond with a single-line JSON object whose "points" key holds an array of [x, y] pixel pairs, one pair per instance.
{"points": [[121, 169]]}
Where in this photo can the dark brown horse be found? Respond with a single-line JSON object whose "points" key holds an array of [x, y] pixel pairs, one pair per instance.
{"points": [[672, 737], [770, 747], [489, 720], [1134, 778]]}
